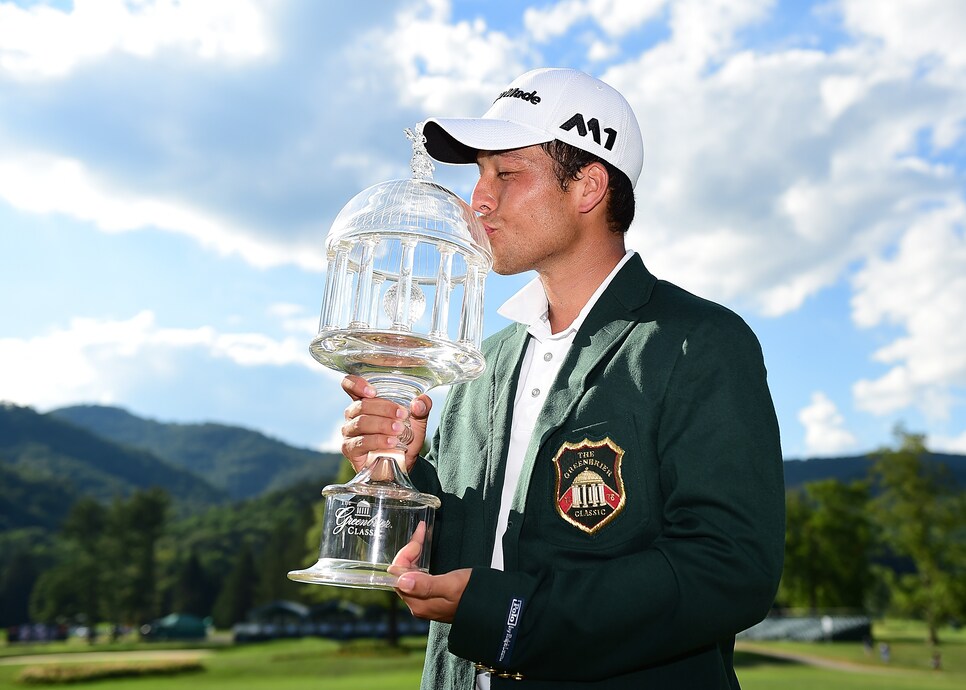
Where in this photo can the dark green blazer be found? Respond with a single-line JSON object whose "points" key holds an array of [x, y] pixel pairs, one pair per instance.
{"points": [[691, 545]]}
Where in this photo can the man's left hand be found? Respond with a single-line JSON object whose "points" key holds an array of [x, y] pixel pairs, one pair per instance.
{"points": [[433, 596]]}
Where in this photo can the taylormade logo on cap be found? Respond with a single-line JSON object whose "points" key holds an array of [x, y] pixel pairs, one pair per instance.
{"points": [[540, 106], [530, 97]]}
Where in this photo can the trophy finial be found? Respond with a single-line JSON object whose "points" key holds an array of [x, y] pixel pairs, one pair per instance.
{"points": [[421, 163]]}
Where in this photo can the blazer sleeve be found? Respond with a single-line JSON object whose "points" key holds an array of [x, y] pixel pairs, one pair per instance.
{"points": [[449, 519], [712, 571]]}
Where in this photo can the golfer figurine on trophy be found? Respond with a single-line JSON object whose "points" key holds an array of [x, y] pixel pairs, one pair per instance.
{"points": [[395, 249]]}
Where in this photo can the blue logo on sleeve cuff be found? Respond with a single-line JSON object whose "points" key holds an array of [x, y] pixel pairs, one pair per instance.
{"points": [[512, 623]]}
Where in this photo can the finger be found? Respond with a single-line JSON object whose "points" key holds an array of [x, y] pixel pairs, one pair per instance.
{"points": [[428, 596], [420, 407], [435, 597], [357, 448], [366, 433], [417, 585], [377, 407], [357, 387], [365, 424], [407, 559], [408, 555]]}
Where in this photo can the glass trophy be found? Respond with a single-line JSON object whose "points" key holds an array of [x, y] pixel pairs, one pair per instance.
{"points": [[403, 308]]}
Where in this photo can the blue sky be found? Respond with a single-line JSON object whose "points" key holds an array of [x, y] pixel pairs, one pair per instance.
{"points": [[168, 171]]}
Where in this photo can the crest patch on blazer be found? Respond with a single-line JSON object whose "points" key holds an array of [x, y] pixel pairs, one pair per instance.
{"points": [[590, 489]]}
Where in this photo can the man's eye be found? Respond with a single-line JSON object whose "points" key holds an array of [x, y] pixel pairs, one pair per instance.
{"points": [[504, 174]]}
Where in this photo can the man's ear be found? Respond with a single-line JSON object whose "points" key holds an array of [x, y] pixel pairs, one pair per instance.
{"points": [[591, 186]]}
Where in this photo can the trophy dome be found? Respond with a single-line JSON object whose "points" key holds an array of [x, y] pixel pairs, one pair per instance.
{"points": [[406, 267], [416, 209]]}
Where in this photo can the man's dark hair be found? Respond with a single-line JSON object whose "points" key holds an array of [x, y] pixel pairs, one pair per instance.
{"points": [[568, 161]]}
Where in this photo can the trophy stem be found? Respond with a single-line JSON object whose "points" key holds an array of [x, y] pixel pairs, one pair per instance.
{"points": [[402, 390], [385, 472], [398, 388]]}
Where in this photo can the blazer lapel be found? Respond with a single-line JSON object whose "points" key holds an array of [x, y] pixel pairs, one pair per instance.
{"points": [[506, 362], [605, 328]]}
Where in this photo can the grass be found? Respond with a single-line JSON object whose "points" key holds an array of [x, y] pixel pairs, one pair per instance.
{"points": [[130, 642], [908, 669], [804, 678], [328, 665], [285, 665]]}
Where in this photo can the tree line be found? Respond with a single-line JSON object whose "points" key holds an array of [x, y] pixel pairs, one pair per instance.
{"points": [[893, 543], [133, 560]]}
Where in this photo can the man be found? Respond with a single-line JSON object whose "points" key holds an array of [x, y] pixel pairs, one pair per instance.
{"points": [[612, 499]]}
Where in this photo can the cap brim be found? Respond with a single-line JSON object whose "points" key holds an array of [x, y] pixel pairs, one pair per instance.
{"points": [[458, 140]]}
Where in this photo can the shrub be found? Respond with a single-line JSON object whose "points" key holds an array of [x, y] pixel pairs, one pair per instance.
{"points": [[59, 674]]}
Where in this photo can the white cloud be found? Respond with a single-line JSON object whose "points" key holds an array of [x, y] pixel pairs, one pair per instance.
{"points": [[796, 164], [615, 17], [600, 51], [554, 20], [47, 184], [947, 444], [253, 160], [102, 359], [839, 92], [258, 349], [825, 432], [912, 28], [767, 176], [705, 29], [920, 289], [293, 319], [44, 42], [442, 67]]}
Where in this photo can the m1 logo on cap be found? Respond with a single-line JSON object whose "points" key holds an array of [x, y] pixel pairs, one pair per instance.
{"points": [[594, 126]]}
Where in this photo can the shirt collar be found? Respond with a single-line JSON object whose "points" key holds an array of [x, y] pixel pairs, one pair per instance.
{"points": [[529, 306]]}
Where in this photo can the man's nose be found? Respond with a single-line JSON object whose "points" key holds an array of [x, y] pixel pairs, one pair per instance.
{"points": [[482, 201]]}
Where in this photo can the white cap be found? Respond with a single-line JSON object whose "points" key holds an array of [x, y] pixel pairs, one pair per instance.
{"points": [[540, 106]]}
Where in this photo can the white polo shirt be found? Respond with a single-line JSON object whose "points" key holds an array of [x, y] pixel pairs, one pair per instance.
{"points": [[544, 354]]}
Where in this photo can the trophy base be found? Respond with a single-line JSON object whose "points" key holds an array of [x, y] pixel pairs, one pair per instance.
{"points": [[374, 529], [345, 573]]}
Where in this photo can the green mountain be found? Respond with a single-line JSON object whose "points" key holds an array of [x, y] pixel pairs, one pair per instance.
{"points": [[31, 501], [47, 463], [241, 462], [856, 467]]}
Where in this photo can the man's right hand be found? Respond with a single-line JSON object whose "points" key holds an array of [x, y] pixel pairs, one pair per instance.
{"points": [[376, 424]]}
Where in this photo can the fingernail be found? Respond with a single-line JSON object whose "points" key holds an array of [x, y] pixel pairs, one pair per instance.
{"points": [[406, 583], [419, 407], [392, 441], [369, 390], [401, 413], [397, 427]]}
